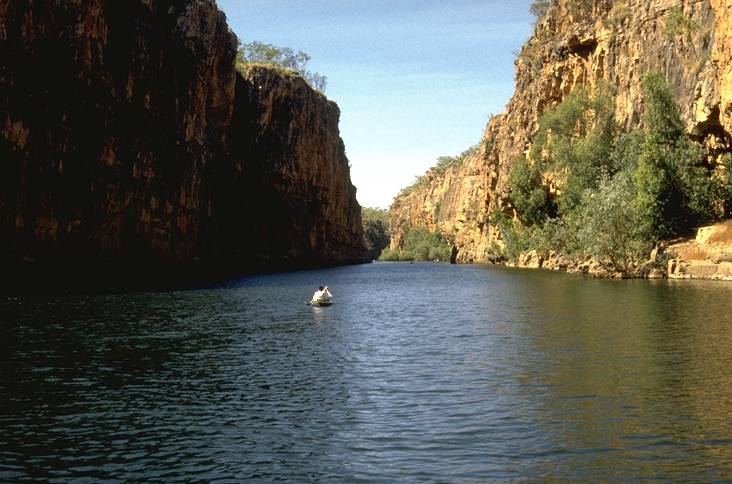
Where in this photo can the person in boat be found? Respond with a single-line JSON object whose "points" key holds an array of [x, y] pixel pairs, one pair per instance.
{"points": [[322, 294]]}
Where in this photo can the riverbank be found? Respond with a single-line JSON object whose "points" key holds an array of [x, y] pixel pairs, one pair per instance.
{"points": [[707, 255]]}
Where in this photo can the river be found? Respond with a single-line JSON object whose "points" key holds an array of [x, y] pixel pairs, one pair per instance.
{"points": [[427, 371]]}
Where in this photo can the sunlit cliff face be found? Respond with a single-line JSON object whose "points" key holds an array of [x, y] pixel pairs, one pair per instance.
{"points": [[614, 41]]}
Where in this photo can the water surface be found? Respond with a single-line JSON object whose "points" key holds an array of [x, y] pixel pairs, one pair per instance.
{"points": [[418, 372]]}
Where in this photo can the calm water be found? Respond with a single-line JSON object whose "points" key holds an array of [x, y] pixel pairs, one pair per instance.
{"points": [[418, 372]]}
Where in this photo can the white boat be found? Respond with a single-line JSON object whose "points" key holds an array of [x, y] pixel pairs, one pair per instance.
{"points": [[323, 301]]}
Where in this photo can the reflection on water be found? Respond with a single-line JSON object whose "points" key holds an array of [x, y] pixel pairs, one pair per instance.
{"points": [[423, 371]]}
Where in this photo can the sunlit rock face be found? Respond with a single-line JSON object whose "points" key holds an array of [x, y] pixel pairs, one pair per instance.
{"points": [[127, 136], [616, 41]]}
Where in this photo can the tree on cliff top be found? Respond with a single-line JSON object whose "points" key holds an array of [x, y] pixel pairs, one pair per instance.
{"points": [[284, 57], [538, 8]]}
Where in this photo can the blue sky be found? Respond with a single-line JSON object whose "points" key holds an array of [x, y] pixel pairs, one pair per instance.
{"points": [[414, 79]]}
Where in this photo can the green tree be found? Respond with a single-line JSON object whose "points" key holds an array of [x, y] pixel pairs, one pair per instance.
{"points": [[516, 238], [375, 230], [726, 182], [606, 226], [661, 116], [675, 189], [283, 57], [676, 23], [528, 194], [577, 137], [420, 244]]}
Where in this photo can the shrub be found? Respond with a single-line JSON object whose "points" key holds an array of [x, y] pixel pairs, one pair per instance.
{"points": [[676, 23], [516, 239], [528, 195], [420, 244], [576, 137], [606, 226], [375, 230], [538, 8], [675, 190], [389, 255], [283, 57]]}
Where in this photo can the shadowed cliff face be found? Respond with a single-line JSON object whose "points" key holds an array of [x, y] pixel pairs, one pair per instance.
{"points": [[616, 41], [289, 176], [127, 136]]}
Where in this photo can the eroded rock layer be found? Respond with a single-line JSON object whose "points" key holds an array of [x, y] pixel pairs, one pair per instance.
{"points": [[617, 41], [127, 137]]}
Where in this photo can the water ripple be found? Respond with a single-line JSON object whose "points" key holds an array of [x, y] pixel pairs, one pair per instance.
{"points": [[419, 372]]}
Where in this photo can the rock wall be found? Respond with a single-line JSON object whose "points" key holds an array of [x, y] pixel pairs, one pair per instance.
{"points": [[288, 195], [127, 137], [616, 41]]}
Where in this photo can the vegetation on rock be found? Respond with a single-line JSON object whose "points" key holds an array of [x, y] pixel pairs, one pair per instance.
{"points": [[281, 57], [375, 230], [420, 244], [538, 8], [615, 195], [443, 163]]}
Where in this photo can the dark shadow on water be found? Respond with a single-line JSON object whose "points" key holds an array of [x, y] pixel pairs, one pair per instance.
{"points": [[52, 279]]}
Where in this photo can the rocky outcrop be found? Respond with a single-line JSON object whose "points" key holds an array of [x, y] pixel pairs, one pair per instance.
{"points": [[707, 256], [127, 137], [583, 43]]}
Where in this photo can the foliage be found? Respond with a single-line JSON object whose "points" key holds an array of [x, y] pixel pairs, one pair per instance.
{"points": [[390, 255], [283, 57], [375, 230], [528, 194], [420, 244], [577, 137], [530, 55], [619, 13], [443, 163], [556, 234], [515, 236], [580, 5], [726, 163], [618, 194], [675, 190], [661, 117], [538, 8], [676, 23], [606, 226]]}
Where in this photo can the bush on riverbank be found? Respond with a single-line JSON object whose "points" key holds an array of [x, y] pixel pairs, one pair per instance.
{"points": [[619, 194], [420, 244], [375, 230]]}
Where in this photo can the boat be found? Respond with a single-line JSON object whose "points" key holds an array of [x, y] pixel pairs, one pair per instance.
{"points": [[322, 302]]}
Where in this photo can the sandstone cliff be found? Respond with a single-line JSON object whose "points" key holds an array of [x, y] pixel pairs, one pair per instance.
{"points": [[616, 41], [127, 137]]}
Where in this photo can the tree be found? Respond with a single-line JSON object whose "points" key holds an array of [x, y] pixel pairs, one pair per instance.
{"points": [[528, 194], [375, 230], [538, 8], [675, 190], [661, 116], [284, 57], [420, 244], [576, 138], [606, 226]]}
